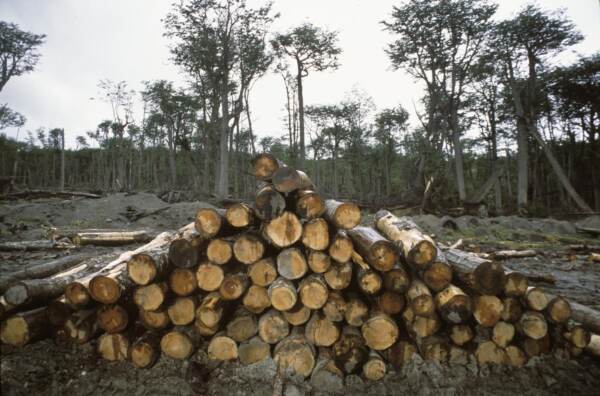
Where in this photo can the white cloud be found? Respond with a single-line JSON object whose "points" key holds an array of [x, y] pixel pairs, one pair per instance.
{"points": [[122, 40]]}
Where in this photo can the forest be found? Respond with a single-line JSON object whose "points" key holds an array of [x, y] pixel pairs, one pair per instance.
{"points": [[501, 124]]}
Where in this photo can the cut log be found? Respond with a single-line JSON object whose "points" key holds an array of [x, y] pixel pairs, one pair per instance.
{"points": [[25, 327], [335, 307], [379, 331], [43, 270], [488, 352], [204, 330], [593, 348], [374, 369], [58, 311], [248, 248], [533, 325], [309, 204], [320, 331], [516, 284], [32, 246], [315, 234], [481, 275], [211, 309], [77, 295], [282, 294], [420, 326], [291, 263], [313, 291], [183, 310], [211, 222], [419, 249], [437, 276], [185, 252], [112, 318], [272, 327], [180, 342], [269, 203], [341, 247], [356, 312], [144, 268], [113, 347], [391, 303], [326, 375], [287, 179], [577, 335], [343, 215], [453, 305], [558, 310], [221, 347], [145, 350], [151, 297], [219, 251], [461, 334], [487, 310], [264, 166], [318, 262], [209, 277], [511, 254], [375, 249], [295, 354], [256, 299], [240, 215], [339, 276], [81, 326], [349, 351], [283, 231], [38, 194], [297, 315], [234, 286], [396, 280], [183, 281], [503, 333], [253, 351], [536, 299], [155, 320], [108, 289], [263, 272], [420, 299], [535, 347], [434, 349], [108, 238], [515, 355], [512, 310], [369, 282], [401, 353]]}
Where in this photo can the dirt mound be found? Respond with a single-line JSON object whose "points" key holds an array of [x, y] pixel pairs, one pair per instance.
{"points": [[121, 210]]}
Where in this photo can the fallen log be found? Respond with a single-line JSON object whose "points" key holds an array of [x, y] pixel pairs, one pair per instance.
{"points": [[38, 194], [114, 238], [484, 276], [43, 270], [374, 248], [510, 254], [343, 215], [25, 327], [30, 246], [419, 249]]}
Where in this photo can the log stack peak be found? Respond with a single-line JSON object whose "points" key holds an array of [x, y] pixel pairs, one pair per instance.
{"points": [[296, 277]]}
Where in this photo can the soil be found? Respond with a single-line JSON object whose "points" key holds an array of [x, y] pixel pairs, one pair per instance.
{"points": [[50, 367]]}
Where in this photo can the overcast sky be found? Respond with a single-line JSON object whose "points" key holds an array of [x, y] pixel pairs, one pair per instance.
{"points": [[90, 40]]}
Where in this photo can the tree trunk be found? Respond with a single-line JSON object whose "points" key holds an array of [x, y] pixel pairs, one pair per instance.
{"points": [[223, 176], [560, 174], [301, 113], [62, 160]]}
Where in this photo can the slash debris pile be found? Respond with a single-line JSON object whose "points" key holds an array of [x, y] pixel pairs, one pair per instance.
{"points": [[295, 277]]}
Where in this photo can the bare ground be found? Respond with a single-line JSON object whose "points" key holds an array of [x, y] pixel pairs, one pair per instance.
{"points": [[50, 368]]}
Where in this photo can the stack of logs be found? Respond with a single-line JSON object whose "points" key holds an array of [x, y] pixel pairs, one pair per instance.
{"points": [[296, 278]]}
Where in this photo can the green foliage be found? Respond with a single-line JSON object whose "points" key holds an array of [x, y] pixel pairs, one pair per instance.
{"points": [[18, 51]]}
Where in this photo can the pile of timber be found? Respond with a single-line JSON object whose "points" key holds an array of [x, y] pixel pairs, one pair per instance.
{"points": [[297, 278]]}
